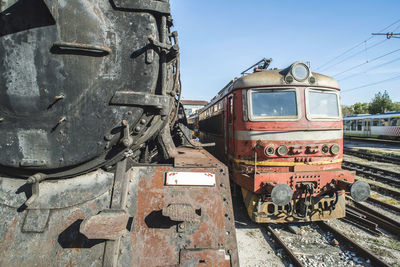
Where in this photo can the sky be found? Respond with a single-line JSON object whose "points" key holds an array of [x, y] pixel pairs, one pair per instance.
{"points": [[219, 39]]}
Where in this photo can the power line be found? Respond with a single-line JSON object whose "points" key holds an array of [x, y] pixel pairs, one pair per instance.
{"points": [[373, 68], [366, 62], [371, 84], [354, 47], [388, 34], [355, 54], [362, 51]]}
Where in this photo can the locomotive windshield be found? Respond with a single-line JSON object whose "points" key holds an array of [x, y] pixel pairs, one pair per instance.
{"points": [[274, 104], [323, 104]]}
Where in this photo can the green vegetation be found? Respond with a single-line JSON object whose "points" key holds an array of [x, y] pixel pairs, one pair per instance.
{"points": [[381, 103]]}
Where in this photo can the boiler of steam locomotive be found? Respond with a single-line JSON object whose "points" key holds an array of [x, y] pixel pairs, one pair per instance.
{"points": [[82, 81], [89, 97]]}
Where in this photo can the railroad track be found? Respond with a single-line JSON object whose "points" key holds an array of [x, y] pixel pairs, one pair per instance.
{"points": [[372, 156], [370, 219], [376, 174], [383, 204], [372, 140], [373, 172], [361, 251]]}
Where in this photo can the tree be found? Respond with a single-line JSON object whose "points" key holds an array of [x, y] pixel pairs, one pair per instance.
{"points": [[347, 111], [381, 103], [396, 106], [361, 108]]}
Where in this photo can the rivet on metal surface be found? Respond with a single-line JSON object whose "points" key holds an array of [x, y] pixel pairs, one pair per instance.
{"points": [[61, 120], [1, 119], [60, 96]]}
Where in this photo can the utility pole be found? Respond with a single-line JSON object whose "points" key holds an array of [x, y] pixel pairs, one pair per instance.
{"points": [[388, 34]]}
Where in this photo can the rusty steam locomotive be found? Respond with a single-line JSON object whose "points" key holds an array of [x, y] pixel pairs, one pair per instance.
{"points": [[90, 164]]}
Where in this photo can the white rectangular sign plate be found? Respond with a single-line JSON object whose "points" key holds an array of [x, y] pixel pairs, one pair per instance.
{"points": [[190, 178]]}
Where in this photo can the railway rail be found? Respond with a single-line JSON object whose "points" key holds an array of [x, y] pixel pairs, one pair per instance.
{"points": [[348, 242], [374, 140], [372, 156], [383, 204], [361, 250], [295, 260], [373, 172], [370, 218]]}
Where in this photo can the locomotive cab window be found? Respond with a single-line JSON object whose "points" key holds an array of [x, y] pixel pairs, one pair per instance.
{"points": [[322, 104], [273, 104]]}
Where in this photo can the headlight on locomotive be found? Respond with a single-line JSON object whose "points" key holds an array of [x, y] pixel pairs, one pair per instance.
{"points": [[325, 149], [282, 150], [335, 149], [269, 151], [300, 71]]}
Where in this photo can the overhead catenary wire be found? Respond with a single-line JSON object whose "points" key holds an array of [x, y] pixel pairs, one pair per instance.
{"points": [[366, 62], [354, 47], [371, 84], [359, 52], [373, 68], [355, 54]]}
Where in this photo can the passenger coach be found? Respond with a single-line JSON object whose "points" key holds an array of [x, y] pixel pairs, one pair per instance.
{"points": [[386, 126], [280, 132]]}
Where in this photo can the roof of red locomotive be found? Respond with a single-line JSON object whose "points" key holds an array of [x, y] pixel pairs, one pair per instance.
{"points": [[276, 77]]}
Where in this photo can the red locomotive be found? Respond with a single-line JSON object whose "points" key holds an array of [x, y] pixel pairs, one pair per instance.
{"points": [[280, 132]]}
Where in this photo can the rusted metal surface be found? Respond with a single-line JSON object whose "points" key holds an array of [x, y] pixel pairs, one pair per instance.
{"points": [[55, 194], [27, 240], [213, 230], [265, 211], [109, 225], [181, 212], [150, 238], [79, 56], [191, 158], [203, 258]]}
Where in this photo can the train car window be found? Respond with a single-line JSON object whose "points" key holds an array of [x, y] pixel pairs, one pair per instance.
{"points": [[323, 104], [384, 122], [394, 121], [348, 126], [375, 122], [353, 125], [274, 103], [359, 125]]}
